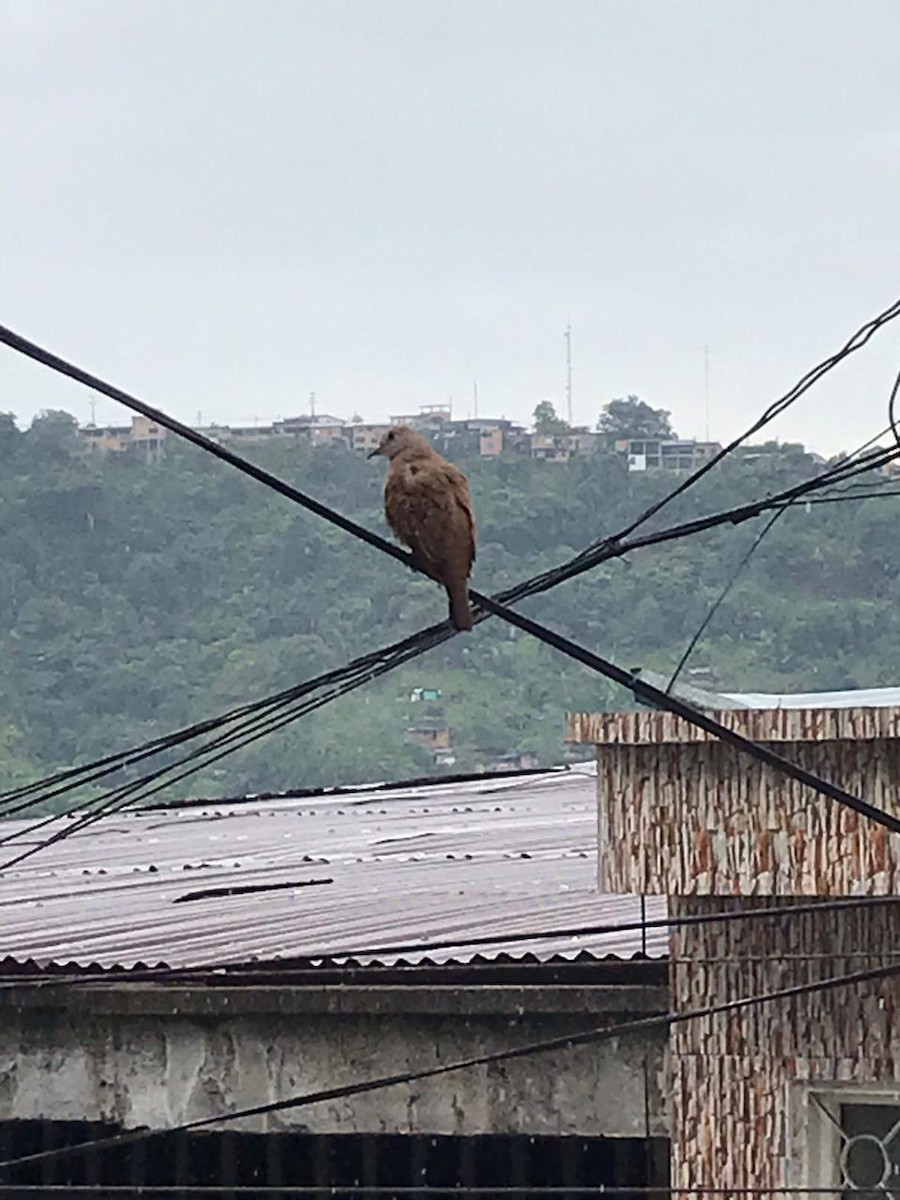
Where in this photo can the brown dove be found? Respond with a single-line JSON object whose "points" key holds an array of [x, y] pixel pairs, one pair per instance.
{"points": [[428, 505]]}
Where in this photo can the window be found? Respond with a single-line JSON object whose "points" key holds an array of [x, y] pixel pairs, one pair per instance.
{"points": [[853, 1140]]}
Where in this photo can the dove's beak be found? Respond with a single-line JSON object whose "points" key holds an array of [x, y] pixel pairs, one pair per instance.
{"points": [[374, 453]]}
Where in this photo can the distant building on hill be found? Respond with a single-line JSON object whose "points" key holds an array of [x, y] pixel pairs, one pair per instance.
{"points": [[143, 438], [484, 437], [660, 454]]}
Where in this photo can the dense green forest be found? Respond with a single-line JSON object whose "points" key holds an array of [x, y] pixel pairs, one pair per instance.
{"points": [[136, 597]]}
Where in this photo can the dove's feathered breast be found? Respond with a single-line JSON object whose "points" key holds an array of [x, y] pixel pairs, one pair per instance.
{"points": [[429, 507]]}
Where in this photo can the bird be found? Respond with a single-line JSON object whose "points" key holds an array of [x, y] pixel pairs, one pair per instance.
{"points": [[428, 506]]}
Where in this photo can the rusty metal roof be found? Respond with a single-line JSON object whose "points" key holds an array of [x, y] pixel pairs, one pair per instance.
{"points": [[320, 878]]}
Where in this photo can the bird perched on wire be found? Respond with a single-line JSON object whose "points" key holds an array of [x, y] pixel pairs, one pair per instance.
{"points": [[428, 505]]}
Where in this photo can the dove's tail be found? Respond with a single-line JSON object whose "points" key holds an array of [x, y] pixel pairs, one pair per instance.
{"points": [[460, 609]]}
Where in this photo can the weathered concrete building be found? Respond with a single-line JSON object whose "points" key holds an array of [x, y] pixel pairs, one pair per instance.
{"points": [[175, 965], [802, 1092]]}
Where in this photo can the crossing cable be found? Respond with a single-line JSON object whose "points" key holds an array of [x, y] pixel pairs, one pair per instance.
{"points": [[754, 546], [130, 793], [548, 1045], [38, 354], [26, 796], [65, 781], [31, 350], [856, 342], [644, 692], [586, 560], [248, 731]]}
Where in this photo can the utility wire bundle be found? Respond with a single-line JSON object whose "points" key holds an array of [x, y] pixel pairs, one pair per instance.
{"points": [[246, 724], [242, 726]]}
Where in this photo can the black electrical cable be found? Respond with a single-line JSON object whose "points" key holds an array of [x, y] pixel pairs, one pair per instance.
{"points": [[657, 698], [563, 1042], [240, 970], [251, 731], [587, 560], [29, 795], [56, 363], [31, 350], [848, 494], [856, 342], [644, 692], [129, 793], [892, 416]]}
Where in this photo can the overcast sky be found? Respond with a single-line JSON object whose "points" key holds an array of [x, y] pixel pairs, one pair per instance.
{"points": [[223, 207]]}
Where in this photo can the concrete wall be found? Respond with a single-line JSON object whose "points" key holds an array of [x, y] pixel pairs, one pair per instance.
{"points": [[150, 1055]]}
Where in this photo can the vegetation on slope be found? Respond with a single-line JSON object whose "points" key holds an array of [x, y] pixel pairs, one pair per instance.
{"points": [[135, 598]]}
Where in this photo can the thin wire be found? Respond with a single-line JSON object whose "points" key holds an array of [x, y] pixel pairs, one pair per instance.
{"points": [[244, 735], [723, 595], [97, 1191], [850, 494], [640, 688], [31, 350], [657, 698], [355, 954], [856, 342], [563, 1042], [891, 407]]}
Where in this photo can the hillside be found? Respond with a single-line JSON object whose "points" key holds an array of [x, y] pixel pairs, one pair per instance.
{"points": [[135, 598]]}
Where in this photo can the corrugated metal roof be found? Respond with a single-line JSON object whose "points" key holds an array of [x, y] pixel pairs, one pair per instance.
{"points": [[420, 865], [710, 701], [888, 697]]}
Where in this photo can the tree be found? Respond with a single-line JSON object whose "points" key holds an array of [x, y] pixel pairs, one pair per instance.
{"points": [[55, 433], [546, 422], [633, 418]]}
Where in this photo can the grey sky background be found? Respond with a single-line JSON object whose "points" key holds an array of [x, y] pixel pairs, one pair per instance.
{"points": [[225, 206]]}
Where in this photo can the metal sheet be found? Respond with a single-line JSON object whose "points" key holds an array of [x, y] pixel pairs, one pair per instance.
{"points": [[426, 864]]}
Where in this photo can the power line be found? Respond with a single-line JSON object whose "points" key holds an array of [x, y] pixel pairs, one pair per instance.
{"points": [[723, 595], [28, 795], [364, 671], [548, 1045], [653, 696], [859, 339], [892, 402], [754, 546], [641, 689], [334, 955], [644, 692], [578, 565], [37, 353]]}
